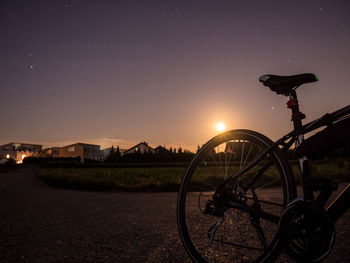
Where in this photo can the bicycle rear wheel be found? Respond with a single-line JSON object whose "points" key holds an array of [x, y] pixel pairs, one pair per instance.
{"points": [[241, 227]]}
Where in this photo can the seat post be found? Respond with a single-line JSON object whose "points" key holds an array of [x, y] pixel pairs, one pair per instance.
{"points": [[297, 116]]}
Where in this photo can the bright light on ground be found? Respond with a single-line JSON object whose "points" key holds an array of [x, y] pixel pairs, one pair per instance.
{"points": [[220, 126]]}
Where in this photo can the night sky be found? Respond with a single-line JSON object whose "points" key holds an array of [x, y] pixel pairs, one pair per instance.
{"points": [[165, 72]]}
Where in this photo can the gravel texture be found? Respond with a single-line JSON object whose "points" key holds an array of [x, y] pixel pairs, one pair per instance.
{"points": [[42, 224]]}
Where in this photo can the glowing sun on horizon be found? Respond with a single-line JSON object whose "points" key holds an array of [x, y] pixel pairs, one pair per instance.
{"points": [[220, 126]]}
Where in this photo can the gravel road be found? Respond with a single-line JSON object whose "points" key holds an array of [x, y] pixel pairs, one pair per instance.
{"points": [[42, 224]]}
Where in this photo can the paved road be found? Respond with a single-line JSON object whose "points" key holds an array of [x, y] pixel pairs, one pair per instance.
{"points": [[42, 224]]}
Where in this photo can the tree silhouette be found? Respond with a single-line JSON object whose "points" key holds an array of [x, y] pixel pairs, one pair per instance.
{"points": [[110, 155], [114, 155], [117, 153]]}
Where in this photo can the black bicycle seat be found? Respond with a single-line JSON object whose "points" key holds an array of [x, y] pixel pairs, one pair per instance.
{"points": [[285, 84]]}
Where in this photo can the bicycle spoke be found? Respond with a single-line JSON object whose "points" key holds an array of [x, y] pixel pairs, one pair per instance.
{"points": [[270, 183], [215, 162], [259, 175], [248, 155], [226, 166], [242, 155], [229, 160], [250, 215], [218, 153], [209, 185]]}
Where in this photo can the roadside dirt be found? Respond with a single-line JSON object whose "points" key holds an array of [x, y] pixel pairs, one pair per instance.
{"points": [[42, 224]]}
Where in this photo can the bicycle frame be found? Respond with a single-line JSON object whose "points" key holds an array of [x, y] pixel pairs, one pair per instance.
{"points": [[342, 202], [299, 226], [340, 205]]}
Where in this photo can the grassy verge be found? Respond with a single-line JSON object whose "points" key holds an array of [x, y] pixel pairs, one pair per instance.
{"points": [[337, 171], [122, 179], [166, 178]]}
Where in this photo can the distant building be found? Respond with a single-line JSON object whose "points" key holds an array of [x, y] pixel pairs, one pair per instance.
{"points": [[105, 153], [160, 149], [18, 151], [234, 148], [82, 150], [51, 152], [142, 148], [229, 148]]}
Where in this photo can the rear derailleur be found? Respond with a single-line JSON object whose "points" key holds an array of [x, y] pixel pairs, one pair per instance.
{"points": [[235, 198]]}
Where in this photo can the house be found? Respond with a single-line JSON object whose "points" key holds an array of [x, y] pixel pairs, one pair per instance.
{"points": [[82, 150], [230, 147], [51, 152], [160, 149], [18, 151], [235, 149], [142, 148], [105, 153]]}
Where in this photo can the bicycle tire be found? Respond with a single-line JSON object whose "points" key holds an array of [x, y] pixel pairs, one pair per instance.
{"points": [[192, 235]]}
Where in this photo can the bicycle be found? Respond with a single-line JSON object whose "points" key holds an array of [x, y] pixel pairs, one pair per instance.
{"points": [[238, 198]]}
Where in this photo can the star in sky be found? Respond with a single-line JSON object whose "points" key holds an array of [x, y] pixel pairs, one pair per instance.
{"points": [[139, 54]]}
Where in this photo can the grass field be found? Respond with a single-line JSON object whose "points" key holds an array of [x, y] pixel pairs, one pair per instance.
{"points": [[163, 178], [125, 179]]}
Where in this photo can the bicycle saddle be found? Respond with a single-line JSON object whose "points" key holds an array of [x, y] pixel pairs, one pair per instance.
{"points": [[285, 84]]}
